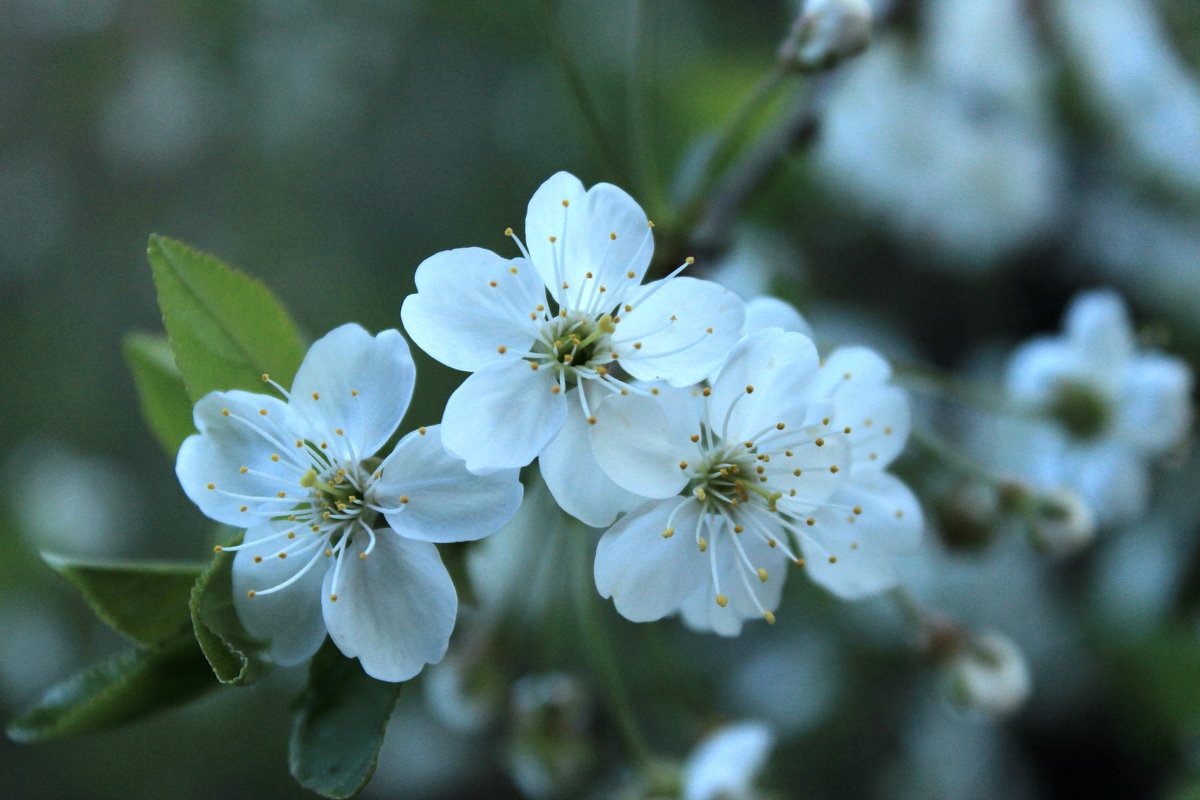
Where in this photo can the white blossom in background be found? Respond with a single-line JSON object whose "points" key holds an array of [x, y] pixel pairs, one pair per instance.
{"points": [[827, 32], [725, 764], [549, 337], [304, 479], [1109, 408], [951, 143], [746, 474]]}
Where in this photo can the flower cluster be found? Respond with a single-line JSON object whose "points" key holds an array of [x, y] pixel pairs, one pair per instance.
{"points": [[710, 433]]}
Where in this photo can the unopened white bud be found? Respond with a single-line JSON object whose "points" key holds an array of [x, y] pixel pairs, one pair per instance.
{"points": [[1061, 522], [826, 32], [988, 674]]}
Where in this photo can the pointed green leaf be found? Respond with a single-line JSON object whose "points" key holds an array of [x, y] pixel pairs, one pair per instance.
{"points": [[235, 656], [341, 719], [165, 402], [226, 329], [118, 691], [145, 602]]}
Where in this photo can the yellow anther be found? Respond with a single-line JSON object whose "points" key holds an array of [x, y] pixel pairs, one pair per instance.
{"points": [[825, 421], [630, 274], [363, 556], [566, 203], [797, 472], [887, 431], [492, 284], [403, 499], [533, 365], [738, 529], [722, 600], [899, 514], [637, 345], [588, 275], [834, 469], [614, 356], [553, 239], [769, 617], [555, 389], [649, 223], [591, 420], [695, 437], [819, 442], [211, 486], [283, 555], [243, 470], [244, 508], [508, 231], [858, 509], [702, 543], [258, 559], [683, 465], [628, 308], [799, 562], [810, 522], [501, 349], [654, 392], [265, 378], [218, 549], [421, 431], [707, 392], [668, 533], [250, 593], [281, 494], [275, 457], [612, 236], [846, 376], [749, 390], [339, 432], [846, 429], [771, 543], [779, 426], [689, 260], [262, 411], [833, 559], [513, 270], [333, 598], [224, 412]]}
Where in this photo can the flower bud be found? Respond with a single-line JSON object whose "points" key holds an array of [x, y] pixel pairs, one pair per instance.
{"points": [[966, 517], [551, 752], [988, 674], [827, 32], [1060, 522]]}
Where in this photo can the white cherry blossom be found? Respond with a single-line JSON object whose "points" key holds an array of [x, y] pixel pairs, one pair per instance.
{"points": [[306, 479], [550, 336], [1106, 408]]}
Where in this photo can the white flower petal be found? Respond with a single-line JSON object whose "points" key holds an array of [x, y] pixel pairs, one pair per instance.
{"points": [[649, 576], [469, 304], [854, 380], [740, 583], [771, 312], [1098, 328], [602, 231], [1038, 366], [1155, 406], [243, 438], [289, 619], [503, 416], [579, 486], [780, 367], [363, 383], [640, 440], [727, 761], [395, 609], [685, 328], [866, 548], [443, 502], [547, 217], [1112, 478]]}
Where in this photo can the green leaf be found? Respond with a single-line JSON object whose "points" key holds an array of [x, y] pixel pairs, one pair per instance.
{"points": [[118, 691], [236, 657], [341, 719], [144, 602], [226, 329], [165, 402]]}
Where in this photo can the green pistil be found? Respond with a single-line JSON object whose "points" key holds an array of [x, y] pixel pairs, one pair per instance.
{"points": [[1080, 409]]}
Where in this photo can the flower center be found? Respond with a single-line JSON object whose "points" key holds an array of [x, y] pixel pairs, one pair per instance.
{"points": [[576, 345], [733, 474], [1078, 407]]}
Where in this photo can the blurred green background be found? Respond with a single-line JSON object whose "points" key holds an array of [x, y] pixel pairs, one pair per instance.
{"points": [[980, 164]]}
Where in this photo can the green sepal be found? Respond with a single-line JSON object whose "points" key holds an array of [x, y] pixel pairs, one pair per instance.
{"points": [[236, 657], [225, 328], [164, 400], [145, 602], [340, 721], [118, 691]]}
